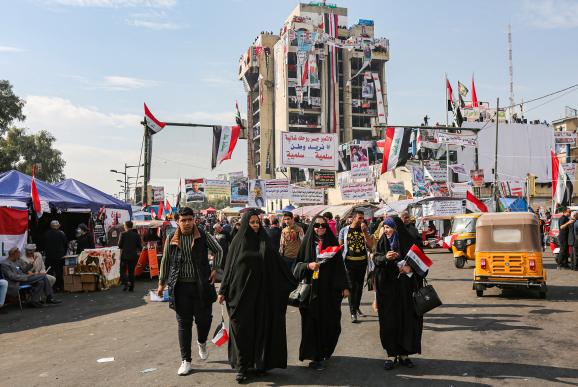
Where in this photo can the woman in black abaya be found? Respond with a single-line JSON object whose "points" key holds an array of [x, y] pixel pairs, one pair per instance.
{"points": [[321, 319], [256, 287], [400, 328]]}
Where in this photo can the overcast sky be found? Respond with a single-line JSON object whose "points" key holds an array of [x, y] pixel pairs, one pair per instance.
{"points": [[85, 68]]}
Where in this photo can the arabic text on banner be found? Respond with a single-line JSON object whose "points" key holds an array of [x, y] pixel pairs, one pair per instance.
{"points": [[359, 161], [277, 189], [563, 137], [357, 191], [443, 208], [309, 150], [458, 139], [459, 190], [324, 179], [217, 188], [300, 195], [379, 99], [396, 188], [435, 170], [570, 170]]}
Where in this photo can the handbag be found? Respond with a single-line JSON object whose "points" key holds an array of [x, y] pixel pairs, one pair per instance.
{"points": [[425, 299], [299, 297]]}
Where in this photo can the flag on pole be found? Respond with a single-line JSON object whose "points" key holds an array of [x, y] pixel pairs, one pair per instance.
{"points": [[561, 185], [34, 195], [168, 208], [474, 95], [419, 262], [450, 96], [473, 204], [224, 142], [396, 148], [238, 116], [462, 89], [161, 210], [151, 122]]}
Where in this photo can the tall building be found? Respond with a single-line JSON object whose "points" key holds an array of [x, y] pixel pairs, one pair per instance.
{"points": [[318, 75]]}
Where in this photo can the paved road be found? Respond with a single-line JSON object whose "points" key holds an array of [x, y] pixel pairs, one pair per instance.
{"points": [[510, 338]]}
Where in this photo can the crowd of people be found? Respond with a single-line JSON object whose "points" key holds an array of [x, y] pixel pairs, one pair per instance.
{"points": [[265, 259]]}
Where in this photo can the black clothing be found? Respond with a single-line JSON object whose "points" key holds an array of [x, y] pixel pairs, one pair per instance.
{"points": [[84, 242], [562, 258], [256, 287], [55, 246], [127, 271], [400, 328], [189, 308], [356, 271], [223, 239], [275, 236], [414, 233], [302, 225], [321, 320], [130, 244]]}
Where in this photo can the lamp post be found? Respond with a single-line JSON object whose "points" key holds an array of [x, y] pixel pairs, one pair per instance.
{"points": [[125, 182]]}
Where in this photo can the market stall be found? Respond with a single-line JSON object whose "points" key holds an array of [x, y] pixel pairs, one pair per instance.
{"points": [[96, 269]]}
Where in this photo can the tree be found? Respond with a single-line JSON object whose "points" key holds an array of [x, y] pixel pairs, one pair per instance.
{"points": [[10, 106], [21, 151]]}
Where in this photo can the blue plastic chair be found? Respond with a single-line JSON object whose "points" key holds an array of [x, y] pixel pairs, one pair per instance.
{"points": [[21, 288]]}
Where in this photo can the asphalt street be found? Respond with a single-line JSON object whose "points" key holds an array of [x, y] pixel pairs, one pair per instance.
{"points": [[503, 338]]}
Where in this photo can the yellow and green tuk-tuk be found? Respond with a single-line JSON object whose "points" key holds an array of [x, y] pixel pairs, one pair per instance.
{"points": [[509, 253], [464, 244]]}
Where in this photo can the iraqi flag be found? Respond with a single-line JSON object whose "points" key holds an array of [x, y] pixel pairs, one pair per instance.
{"points": [[151, 122], [224, 142], [562, 187], [396, 148], [13, 229], [221, 336], [419, 262], [328, 252], [35, 196], [449, 241], [474, 95], [450, 95], [161, 210], [473, 204]]}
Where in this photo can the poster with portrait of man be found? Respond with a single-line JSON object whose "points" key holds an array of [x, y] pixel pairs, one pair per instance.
{"points": [[257, 196], [194, 190]]}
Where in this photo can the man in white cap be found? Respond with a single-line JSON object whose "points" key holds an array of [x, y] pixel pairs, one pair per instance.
{"points": [[34, 261], [55, 246]]}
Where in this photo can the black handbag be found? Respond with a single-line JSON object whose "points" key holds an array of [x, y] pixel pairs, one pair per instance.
{"points": [[425, 299], [299, 297]]}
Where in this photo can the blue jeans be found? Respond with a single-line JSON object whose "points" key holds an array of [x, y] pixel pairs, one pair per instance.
{"points": [[3, 290]]}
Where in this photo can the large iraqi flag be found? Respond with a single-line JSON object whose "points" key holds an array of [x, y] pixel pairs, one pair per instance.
{"points": [[224, 142], [396, 148], [562, 187], [151, 122], [13, 229]]}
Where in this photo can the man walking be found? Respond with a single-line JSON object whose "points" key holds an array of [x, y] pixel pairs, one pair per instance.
{"points": [[186, 272], [565, 226], [55, 246], [291, 238], [274, 233], [130, 245], [356, 243]]}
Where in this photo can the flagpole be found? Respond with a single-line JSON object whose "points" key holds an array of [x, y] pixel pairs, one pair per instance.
{"points": [[496, 155]]}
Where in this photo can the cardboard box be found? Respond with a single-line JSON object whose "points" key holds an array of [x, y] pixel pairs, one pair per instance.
{"points": [[72, 283], [89, 278], [69, 270], [89, 287]]}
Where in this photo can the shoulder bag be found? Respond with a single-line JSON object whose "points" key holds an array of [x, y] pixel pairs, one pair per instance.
{"points": [[299, 297], [425, 299]]}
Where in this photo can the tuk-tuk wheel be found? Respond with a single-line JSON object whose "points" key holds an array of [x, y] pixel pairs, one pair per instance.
{"points": [[459, 262], [542, 295], [479, 293]]}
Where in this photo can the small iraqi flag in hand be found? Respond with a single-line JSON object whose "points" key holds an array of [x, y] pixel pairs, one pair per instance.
{"points": [[419, 262], [449, 241], [329, 252], [220, 336]]}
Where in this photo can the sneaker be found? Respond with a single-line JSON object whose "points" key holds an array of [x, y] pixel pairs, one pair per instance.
{"points": [[354, 318], [185, 368], [360, 313], [203, 351]]}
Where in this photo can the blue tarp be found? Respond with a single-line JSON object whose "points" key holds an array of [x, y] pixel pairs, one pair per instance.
{"points": [[15, 185], [513, 204], [92, 194]]}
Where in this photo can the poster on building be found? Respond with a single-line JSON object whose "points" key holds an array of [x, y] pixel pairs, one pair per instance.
{"points": [[277, 189], [217, 188], [438, 189], [309, 150], [194, 190], [367, 89], [460, 169], [379, 99], [257, 195], [396, 188], [300, 195], [357, 191], [239, 190], [459, 190], [477, 176], [324, 179], [458, 139], [434, 171], [443, 208], [426, 138], [570, 169], [418, 182], [312, 71], [359, 161], [563, 137], [114, 217], [158, 194]]}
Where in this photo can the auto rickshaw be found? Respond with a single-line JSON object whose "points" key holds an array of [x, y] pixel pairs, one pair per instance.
{"points": [[464, 245], [509, 253]]}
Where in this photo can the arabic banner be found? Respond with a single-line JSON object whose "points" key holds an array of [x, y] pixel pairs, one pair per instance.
{"points": [[459, 190], [359, 161], [357, 191], [300, 195], [418, 182], [434, 171], [458, 139], [239, 189], [309, 150], [562, 137], [277, 189], [324, 179], [443, 208], [217, 188], [570, 170], [379, 99], [439, 190], [158, 194], [396, 188], [458, 168], [194, 190], [257, 196]]}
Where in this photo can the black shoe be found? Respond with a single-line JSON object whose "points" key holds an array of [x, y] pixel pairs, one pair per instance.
{"points": [[388, 365], [317, 365], [53, 301], [241, 376], [406, 362], [360, 313], [260, 372], [354, 319]]}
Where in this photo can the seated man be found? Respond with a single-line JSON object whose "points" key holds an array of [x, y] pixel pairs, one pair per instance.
{"points": [[32, 262], [3, 291], [15, 276]]}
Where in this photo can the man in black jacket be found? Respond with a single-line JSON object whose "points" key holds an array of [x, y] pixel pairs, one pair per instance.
{"points": [[55, 246], [130, 244]]}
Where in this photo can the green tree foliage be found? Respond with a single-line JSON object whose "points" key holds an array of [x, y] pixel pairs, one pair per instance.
{"points": [[10, 106]]}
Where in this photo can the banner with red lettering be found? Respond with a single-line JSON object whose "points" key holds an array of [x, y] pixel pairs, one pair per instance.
{"points": [[309, 150]]}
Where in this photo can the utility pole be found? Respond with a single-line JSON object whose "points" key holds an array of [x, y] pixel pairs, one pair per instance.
{"points": [[496, 154]]}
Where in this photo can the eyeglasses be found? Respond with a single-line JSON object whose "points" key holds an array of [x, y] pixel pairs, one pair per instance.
{"points": [[320, 225]]}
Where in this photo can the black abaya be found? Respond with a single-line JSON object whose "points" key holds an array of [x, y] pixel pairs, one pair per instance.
{"points": [[256, 287], [400, 328], [321, 320]]}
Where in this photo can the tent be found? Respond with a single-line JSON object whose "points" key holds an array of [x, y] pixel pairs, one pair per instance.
{"points": [[84, 190], [15, 186]]}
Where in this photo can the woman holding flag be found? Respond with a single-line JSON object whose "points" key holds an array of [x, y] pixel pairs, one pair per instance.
{"points": [[400, 328], [320, 263]]}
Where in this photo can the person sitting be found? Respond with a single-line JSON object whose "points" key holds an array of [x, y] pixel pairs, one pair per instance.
{"points": [[34, 259], [41, 288], [3, 291]]}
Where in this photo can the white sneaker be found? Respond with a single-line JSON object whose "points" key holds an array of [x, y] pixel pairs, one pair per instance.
{"points": [[185, 368], [203, 351]]}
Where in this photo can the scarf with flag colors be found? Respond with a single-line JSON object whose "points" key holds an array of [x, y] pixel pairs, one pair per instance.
{"points": [[224, 142], [473, 204], [418, 261], [562, 187], [396, 148], [13, 229], [151, 122]]}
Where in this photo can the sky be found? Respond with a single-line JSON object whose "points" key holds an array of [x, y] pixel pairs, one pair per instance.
{"points": [[85, 67]]}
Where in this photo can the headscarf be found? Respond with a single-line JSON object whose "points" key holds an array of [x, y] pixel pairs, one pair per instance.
{"points": [[404, 238], [308, 249], [245, 238]]}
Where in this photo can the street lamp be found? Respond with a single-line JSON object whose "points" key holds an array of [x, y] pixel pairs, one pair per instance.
{"points": [[125, 182]]}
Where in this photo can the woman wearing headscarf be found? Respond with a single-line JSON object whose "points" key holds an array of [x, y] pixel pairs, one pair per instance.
{"points": [[256, 287], [321, 318], [400, 328]]}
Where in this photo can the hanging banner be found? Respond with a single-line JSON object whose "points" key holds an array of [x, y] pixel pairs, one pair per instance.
{"points": [[379, 98], [324, 179], [511, 189], [217, 188], [426, 138], [434, 171], [114, 217], [239, 189], [443, 208], [277, 189], [458, 139], [257, 197], [570, 170], [359, 161], [477, 176], [459, 190], [158, 194], [13, 229], [357, 191], [194, 190], [309, 150], [367, 90], [312, 71], [396, 188], [418, 182], [563, 137], [300, 195], [439, 189], [458, 168]]}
